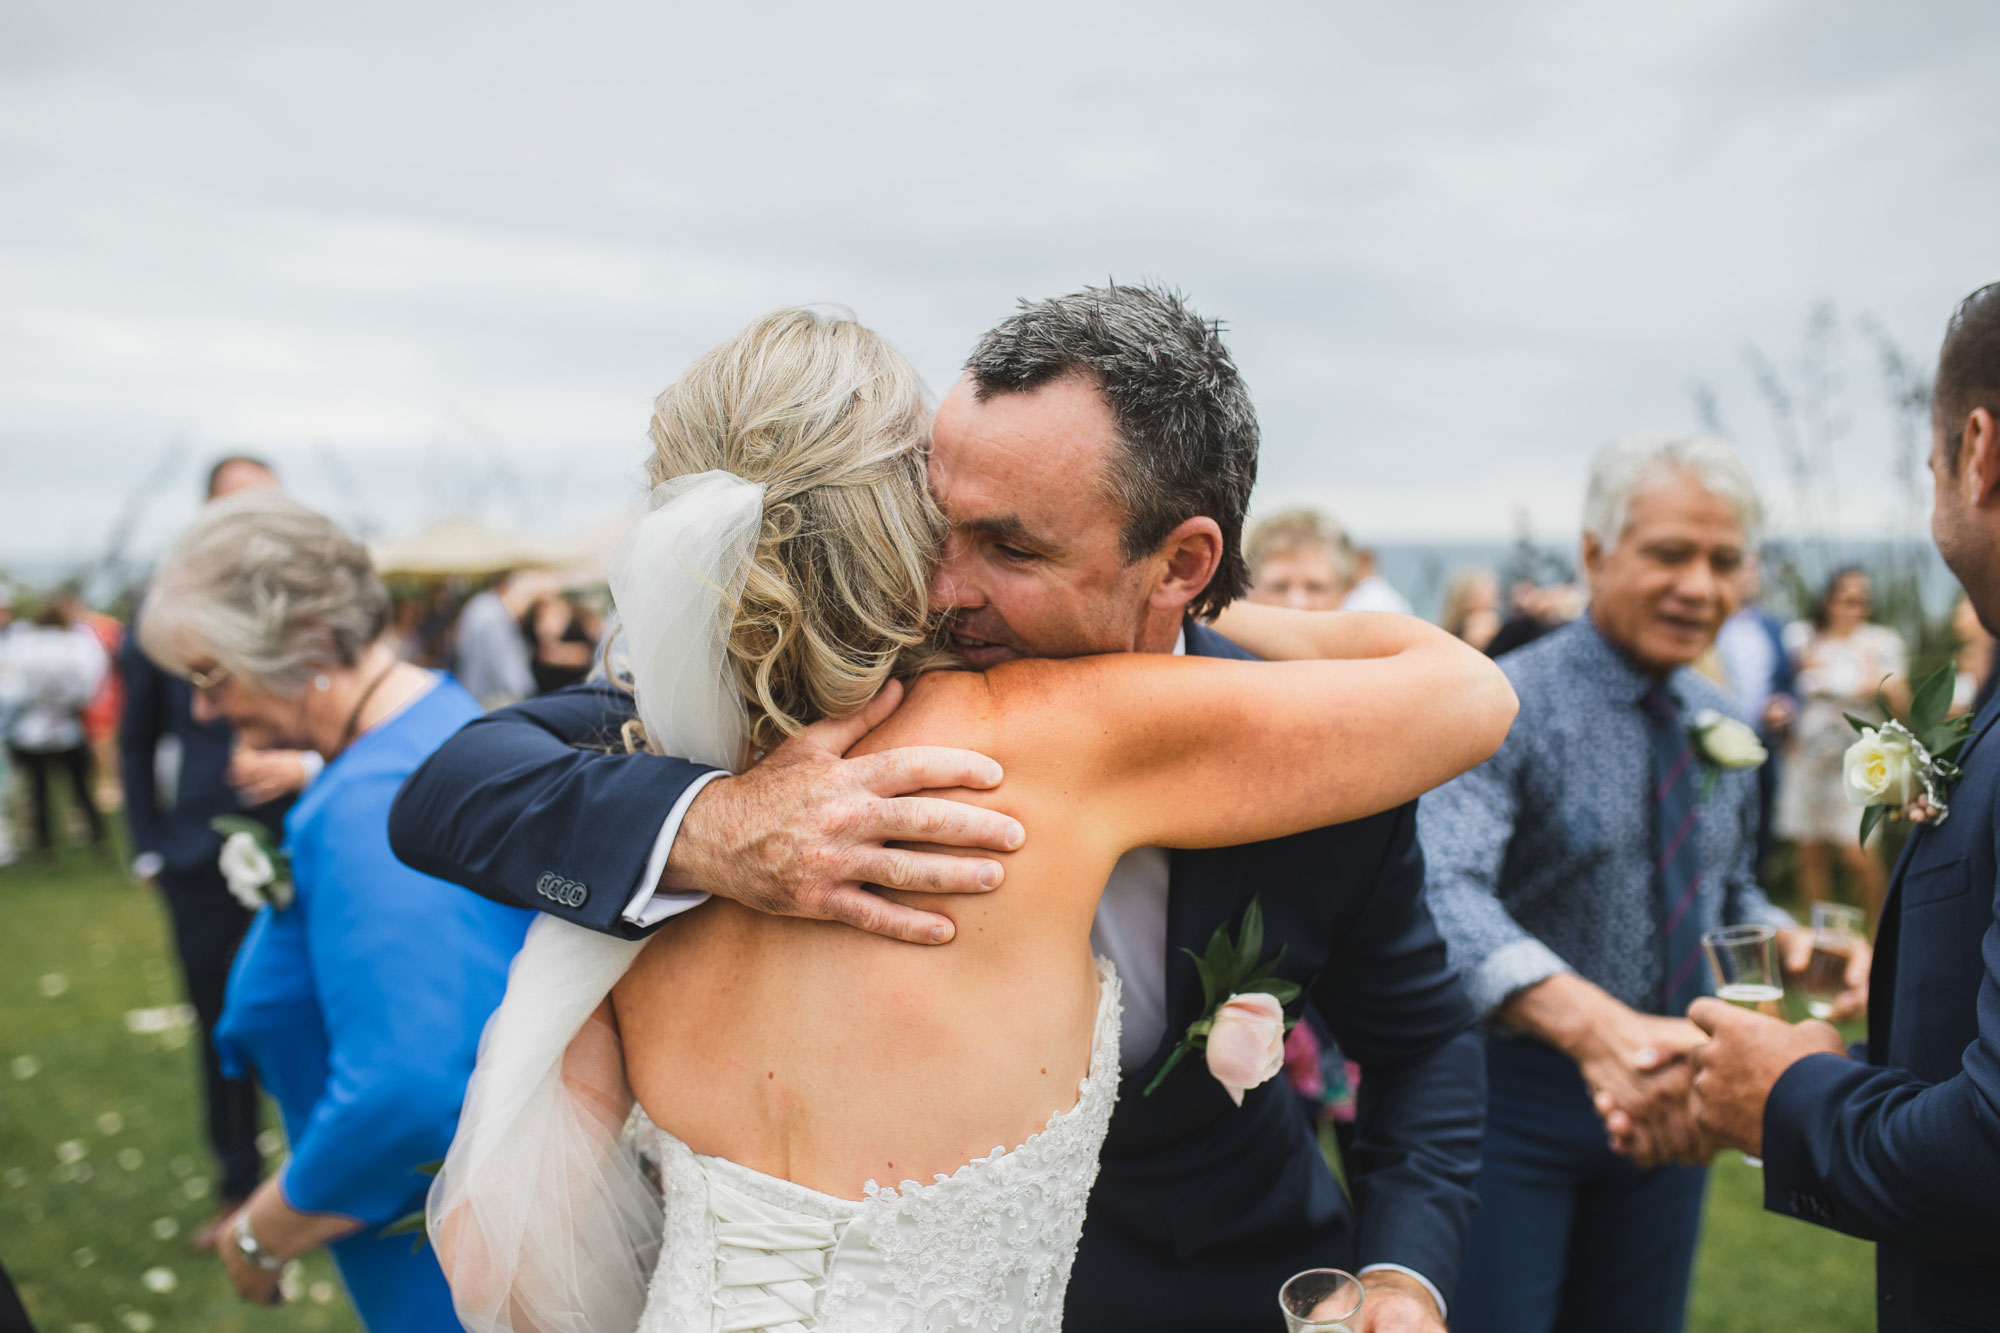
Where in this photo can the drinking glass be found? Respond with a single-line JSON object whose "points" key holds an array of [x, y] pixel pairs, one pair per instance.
{"points": [[1744, 961], [1320, 1300], [1836, 930]]}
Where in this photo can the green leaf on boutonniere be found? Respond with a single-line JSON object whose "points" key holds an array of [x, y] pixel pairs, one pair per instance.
{"points": [[1931, 702], [1870, 817], [1229, 967], [1858, 725]]}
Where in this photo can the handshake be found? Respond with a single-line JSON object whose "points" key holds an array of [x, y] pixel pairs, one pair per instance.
{"points": [[1677, 1090]]}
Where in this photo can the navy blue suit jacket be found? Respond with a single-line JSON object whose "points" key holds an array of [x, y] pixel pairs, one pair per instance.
{"points": [[158, 706], [1904, 1148], [1202, 1209]]}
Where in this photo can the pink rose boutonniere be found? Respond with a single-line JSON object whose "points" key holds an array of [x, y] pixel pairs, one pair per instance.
{"points": [[1243, 1024]]}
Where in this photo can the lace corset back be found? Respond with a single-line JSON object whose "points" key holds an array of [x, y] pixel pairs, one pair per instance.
{"points": [[988, 1247]]}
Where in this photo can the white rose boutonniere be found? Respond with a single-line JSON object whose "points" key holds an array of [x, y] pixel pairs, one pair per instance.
{"points": [[1723, 742], [1892, 764], [256, 869]]}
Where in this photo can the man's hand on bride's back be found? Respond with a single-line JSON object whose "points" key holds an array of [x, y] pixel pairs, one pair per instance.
{"points": [[805, 832]]}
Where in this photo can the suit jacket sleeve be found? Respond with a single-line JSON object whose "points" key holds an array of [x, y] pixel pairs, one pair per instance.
{"points": [[1397, 1009], [1880, 1154], [538, 806], [139, 732]]}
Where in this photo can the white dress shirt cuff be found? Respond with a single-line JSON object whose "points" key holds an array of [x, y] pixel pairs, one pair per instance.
{"points": [[649, 906], [1510, 968], [1419, 1278]]}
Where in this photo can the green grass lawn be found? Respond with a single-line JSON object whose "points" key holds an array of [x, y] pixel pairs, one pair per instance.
{"points": [[103, 1172]]}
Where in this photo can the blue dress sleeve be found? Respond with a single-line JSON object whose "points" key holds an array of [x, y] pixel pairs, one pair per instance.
{"points": [[407, 969]]}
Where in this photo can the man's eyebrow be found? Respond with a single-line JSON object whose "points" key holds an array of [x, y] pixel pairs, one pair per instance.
{"points": [[1009, 528]]}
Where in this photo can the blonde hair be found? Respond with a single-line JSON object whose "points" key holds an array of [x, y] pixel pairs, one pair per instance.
{"points": [[1292, 530], [836, 425]]}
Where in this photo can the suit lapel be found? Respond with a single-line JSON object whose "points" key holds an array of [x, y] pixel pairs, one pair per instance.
{"points": [[1888, 931]]}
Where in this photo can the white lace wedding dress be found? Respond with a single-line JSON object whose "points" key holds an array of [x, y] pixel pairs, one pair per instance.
{"points": [[986, 1248]]}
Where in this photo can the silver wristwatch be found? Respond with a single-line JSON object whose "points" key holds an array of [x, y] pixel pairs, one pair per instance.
{"points": [[247, 1246]]}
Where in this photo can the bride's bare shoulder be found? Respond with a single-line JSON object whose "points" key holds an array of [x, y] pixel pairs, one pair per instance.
{"points": [[981, 709]]}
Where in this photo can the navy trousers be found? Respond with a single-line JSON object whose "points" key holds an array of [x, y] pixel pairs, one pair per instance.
{"points": [[1569, 1237], [208, 925]]}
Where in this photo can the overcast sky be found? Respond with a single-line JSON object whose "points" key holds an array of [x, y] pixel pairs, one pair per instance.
{"points": [[434, 258]]}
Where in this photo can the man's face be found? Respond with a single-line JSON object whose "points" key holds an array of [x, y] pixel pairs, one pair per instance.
{"points": [[1672, 578], [1303, 578], [1032, 566], [1961, 539]]}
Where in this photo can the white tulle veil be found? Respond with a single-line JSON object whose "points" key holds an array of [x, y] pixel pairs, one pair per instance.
{"points": [[542, 1213]]}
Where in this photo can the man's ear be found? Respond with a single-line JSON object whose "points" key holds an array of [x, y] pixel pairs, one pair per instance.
{"points": [[1979, 458], [1593, 556], [1189, 558]]}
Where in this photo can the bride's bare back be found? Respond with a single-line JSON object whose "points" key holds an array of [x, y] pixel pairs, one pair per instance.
{"points": [[831, 1057]]}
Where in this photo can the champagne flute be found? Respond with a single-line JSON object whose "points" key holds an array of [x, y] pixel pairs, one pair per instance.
{"points": [[1320, 1300], [1744, 962], [1837, 930]]}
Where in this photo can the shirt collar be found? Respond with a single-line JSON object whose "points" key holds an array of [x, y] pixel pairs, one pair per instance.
{"points": [[1622, 677], [1180, 643]]}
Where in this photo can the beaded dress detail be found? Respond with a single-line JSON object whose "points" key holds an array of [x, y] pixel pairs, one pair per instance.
{"points": [[985, 1249]]}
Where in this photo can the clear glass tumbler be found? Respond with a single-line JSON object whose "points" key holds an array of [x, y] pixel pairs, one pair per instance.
{"points": [[1320, 1300]]}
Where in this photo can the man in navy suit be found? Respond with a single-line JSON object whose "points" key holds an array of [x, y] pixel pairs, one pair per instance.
{"points": [[1095, 463], [1902, 1147]]}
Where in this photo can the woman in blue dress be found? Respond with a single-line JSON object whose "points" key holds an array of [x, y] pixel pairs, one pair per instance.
{"points": [[359, 995]]}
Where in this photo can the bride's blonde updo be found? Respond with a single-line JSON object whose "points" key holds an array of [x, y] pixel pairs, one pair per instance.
{"points": [[835, 423]]}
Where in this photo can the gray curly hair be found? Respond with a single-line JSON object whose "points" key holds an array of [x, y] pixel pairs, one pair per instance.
{"points": [[269, 589]]}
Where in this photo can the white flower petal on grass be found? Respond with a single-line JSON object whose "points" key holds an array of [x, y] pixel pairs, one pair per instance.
{"points": [[166, 1228], [268, 1142], [83, 1258], [25, 1066], [162, 1280], [195, 1188], [291, 1282], [320, 1293], [174, 1038], [139, 1321], [162, 1018], [72, 1150], [110, 1123], [83, 1328], [182, 1165], [131, 1158], [16, 1178], [79, 1171], [53, 984]]}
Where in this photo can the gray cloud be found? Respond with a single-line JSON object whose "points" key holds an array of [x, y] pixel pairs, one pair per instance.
{"points": [[458, 248]]}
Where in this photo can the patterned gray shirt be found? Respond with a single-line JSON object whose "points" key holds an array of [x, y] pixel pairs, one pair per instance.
{"points": [[1541, 860]]}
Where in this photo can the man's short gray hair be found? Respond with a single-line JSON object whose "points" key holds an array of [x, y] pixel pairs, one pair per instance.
{"points": [[267, 589], [1186, 428], [1629, 466]]}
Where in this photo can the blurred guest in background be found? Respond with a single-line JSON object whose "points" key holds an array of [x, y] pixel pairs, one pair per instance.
{"points": [[52, 670], [101, 714], [1572, 882], [1472, 607], [1372, 592], [1758, 672], [179, 774], [1973, 658], [360, 996], [562, 645], [491, 658], [1298, 558], [1843, 662], [1535, 610]]}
